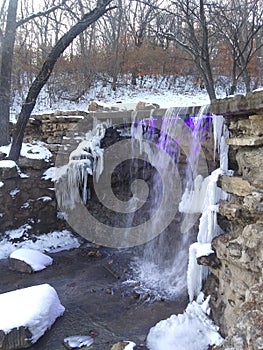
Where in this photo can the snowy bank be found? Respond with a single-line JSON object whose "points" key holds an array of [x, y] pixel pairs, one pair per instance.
{"points": [[35, 308]]}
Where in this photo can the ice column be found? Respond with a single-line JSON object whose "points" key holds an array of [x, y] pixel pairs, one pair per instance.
{"points": [[206, 197]]}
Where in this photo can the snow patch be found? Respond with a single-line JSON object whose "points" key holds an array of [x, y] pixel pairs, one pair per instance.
{"points": [[14, 192], [36, 150], [51, 242], [7, 163]]}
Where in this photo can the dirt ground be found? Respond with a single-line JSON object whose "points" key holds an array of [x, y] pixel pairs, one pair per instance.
{"points": [[89, 284]]}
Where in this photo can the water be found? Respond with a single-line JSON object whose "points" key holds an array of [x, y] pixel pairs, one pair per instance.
{"points": [[162, 267]]}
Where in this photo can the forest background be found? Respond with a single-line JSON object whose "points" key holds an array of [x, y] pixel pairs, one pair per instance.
{"points": [[211, 41]]}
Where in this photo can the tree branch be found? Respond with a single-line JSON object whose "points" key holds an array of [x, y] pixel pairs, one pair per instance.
{"points": [[39, 14]]}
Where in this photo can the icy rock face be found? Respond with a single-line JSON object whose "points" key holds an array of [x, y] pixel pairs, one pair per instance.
{"points": [[236, 300]]}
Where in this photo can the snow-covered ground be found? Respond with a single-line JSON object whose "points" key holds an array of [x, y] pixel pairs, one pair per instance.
{"points": [[51, 242], [183, 92]]}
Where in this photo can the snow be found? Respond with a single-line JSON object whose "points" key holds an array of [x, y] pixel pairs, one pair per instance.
{"points": [[77, 341], [14, 192], [7, 163], [35, 308], [44, 199], [192, 330], [35, 150], [130, 345], [1, 184], [51, 242], [37, 260]]}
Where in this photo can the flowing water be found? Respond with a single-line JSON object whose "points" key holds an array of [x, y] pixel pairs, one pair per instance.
{"points": [[163, 265]]}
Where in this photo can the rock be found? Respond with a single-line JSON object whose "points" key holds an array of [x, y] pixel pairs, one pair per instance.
{"points": [[235, 185], [251, 126], [20, 266], [238, 104], [2, 155], [141, 106], [209, 260], [254, 202], [245, 141], [94, 107], [17, 338], [250, 163], [8, 170]]}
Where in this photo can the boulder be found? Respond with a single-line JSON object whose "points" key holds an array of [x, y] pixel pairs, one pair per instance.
{"points": [[235, 185]]}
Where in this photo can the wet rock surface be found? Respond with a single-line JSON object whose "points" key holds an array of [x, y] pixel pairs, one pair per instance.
{"points": [[83, 284]]}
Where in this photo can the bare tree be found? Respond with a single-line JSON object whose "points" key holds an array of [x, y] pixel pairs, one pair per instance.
{"points": [[239, 23], [7, 61], [46, 71], [6, 70], [189, 27], [139, 16]]}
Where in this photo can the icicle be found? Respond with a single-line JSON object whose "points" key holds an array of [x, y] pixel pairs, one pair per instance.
{"points": [[86, 159], [218, 122], [208, 227]]}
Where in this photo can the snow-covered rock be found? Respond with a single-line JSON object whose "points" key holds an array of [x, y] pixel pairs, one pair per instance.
{"points": [[26, 314], [35, 260]]}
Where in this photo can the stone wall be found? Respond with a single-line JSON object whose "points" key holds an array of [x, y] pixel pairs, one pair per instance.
{"points": [[236, 282]]}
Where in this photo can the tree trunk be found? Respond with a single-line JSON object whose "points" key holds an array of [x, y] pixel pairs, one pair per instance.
{"points": [[46, 71], [6, 72], [205, 63]]}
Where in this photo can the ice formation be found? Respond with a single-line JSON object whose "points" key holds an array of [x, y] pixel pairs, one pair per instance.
{"points": [[72, 178], [192, 330], [205, 198]]}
